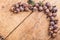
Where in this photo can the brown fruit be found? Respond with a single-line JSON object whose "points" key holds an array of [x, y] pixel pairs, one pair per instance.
{"points": [[54, 14], [50, 8], [54, 10], [50, 33], [55, 27], [21, 8], [12, 8], [52, 18], [35, 8], [26, 9], [50, 14], [44, 7], [55, 31], [30, 7], [40, 8], [52, 23], [17, 9], [56, 21], [47, 11], [54, 35], [50, 27], [48, 4], [36, 5]]}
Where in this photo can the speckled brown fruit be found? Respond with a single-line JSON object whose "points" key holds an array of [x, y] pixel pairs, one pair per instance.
{"points": [[54, 14], [21, 8], [54, 10], [50, 33], [51, 28], [26, 9], [50, 8], [18, 9], [15, 11], [53, 35], [55, 31], [49, 14], [40, 8], [30, 7], [56, 21], [55, 27], [52, 18], [35, 8], [52, 23], [48, 4], [47, 11], [44, 7], [36, 5]]}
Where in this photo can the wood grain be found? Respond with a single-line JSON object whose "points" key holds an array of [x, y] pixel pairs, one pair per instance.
{"points": [[35, 27]]}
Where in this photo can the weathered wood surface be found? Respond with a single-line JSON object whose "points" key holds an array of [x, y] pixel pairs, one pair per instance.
{"points": [[35, 27]]}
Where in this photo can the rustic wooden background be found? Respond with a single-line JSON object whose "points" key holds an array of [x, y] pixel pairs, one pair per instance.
{"points": [[35, 27]]}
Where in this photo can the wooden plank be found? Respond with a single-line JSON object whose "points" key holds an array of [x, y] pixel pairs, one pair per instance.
{"points": [[35, 27]]}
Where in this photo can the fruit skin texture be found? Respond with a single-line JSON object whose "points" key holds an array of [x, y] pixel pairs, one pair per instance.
{"points": [[46, 11], [35, 8], [21, 8], [44, 7], [40, 8], [36, 5], [54, 10], [48, 4]]}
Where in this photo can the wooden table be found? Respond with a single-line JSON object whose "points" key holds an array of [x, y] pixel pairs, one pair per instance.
{"points": [[35, 27]]}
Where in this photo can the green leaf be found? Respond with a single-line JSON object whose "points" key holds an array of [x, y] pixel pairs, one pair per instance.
{"points": [[31, 2]]}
